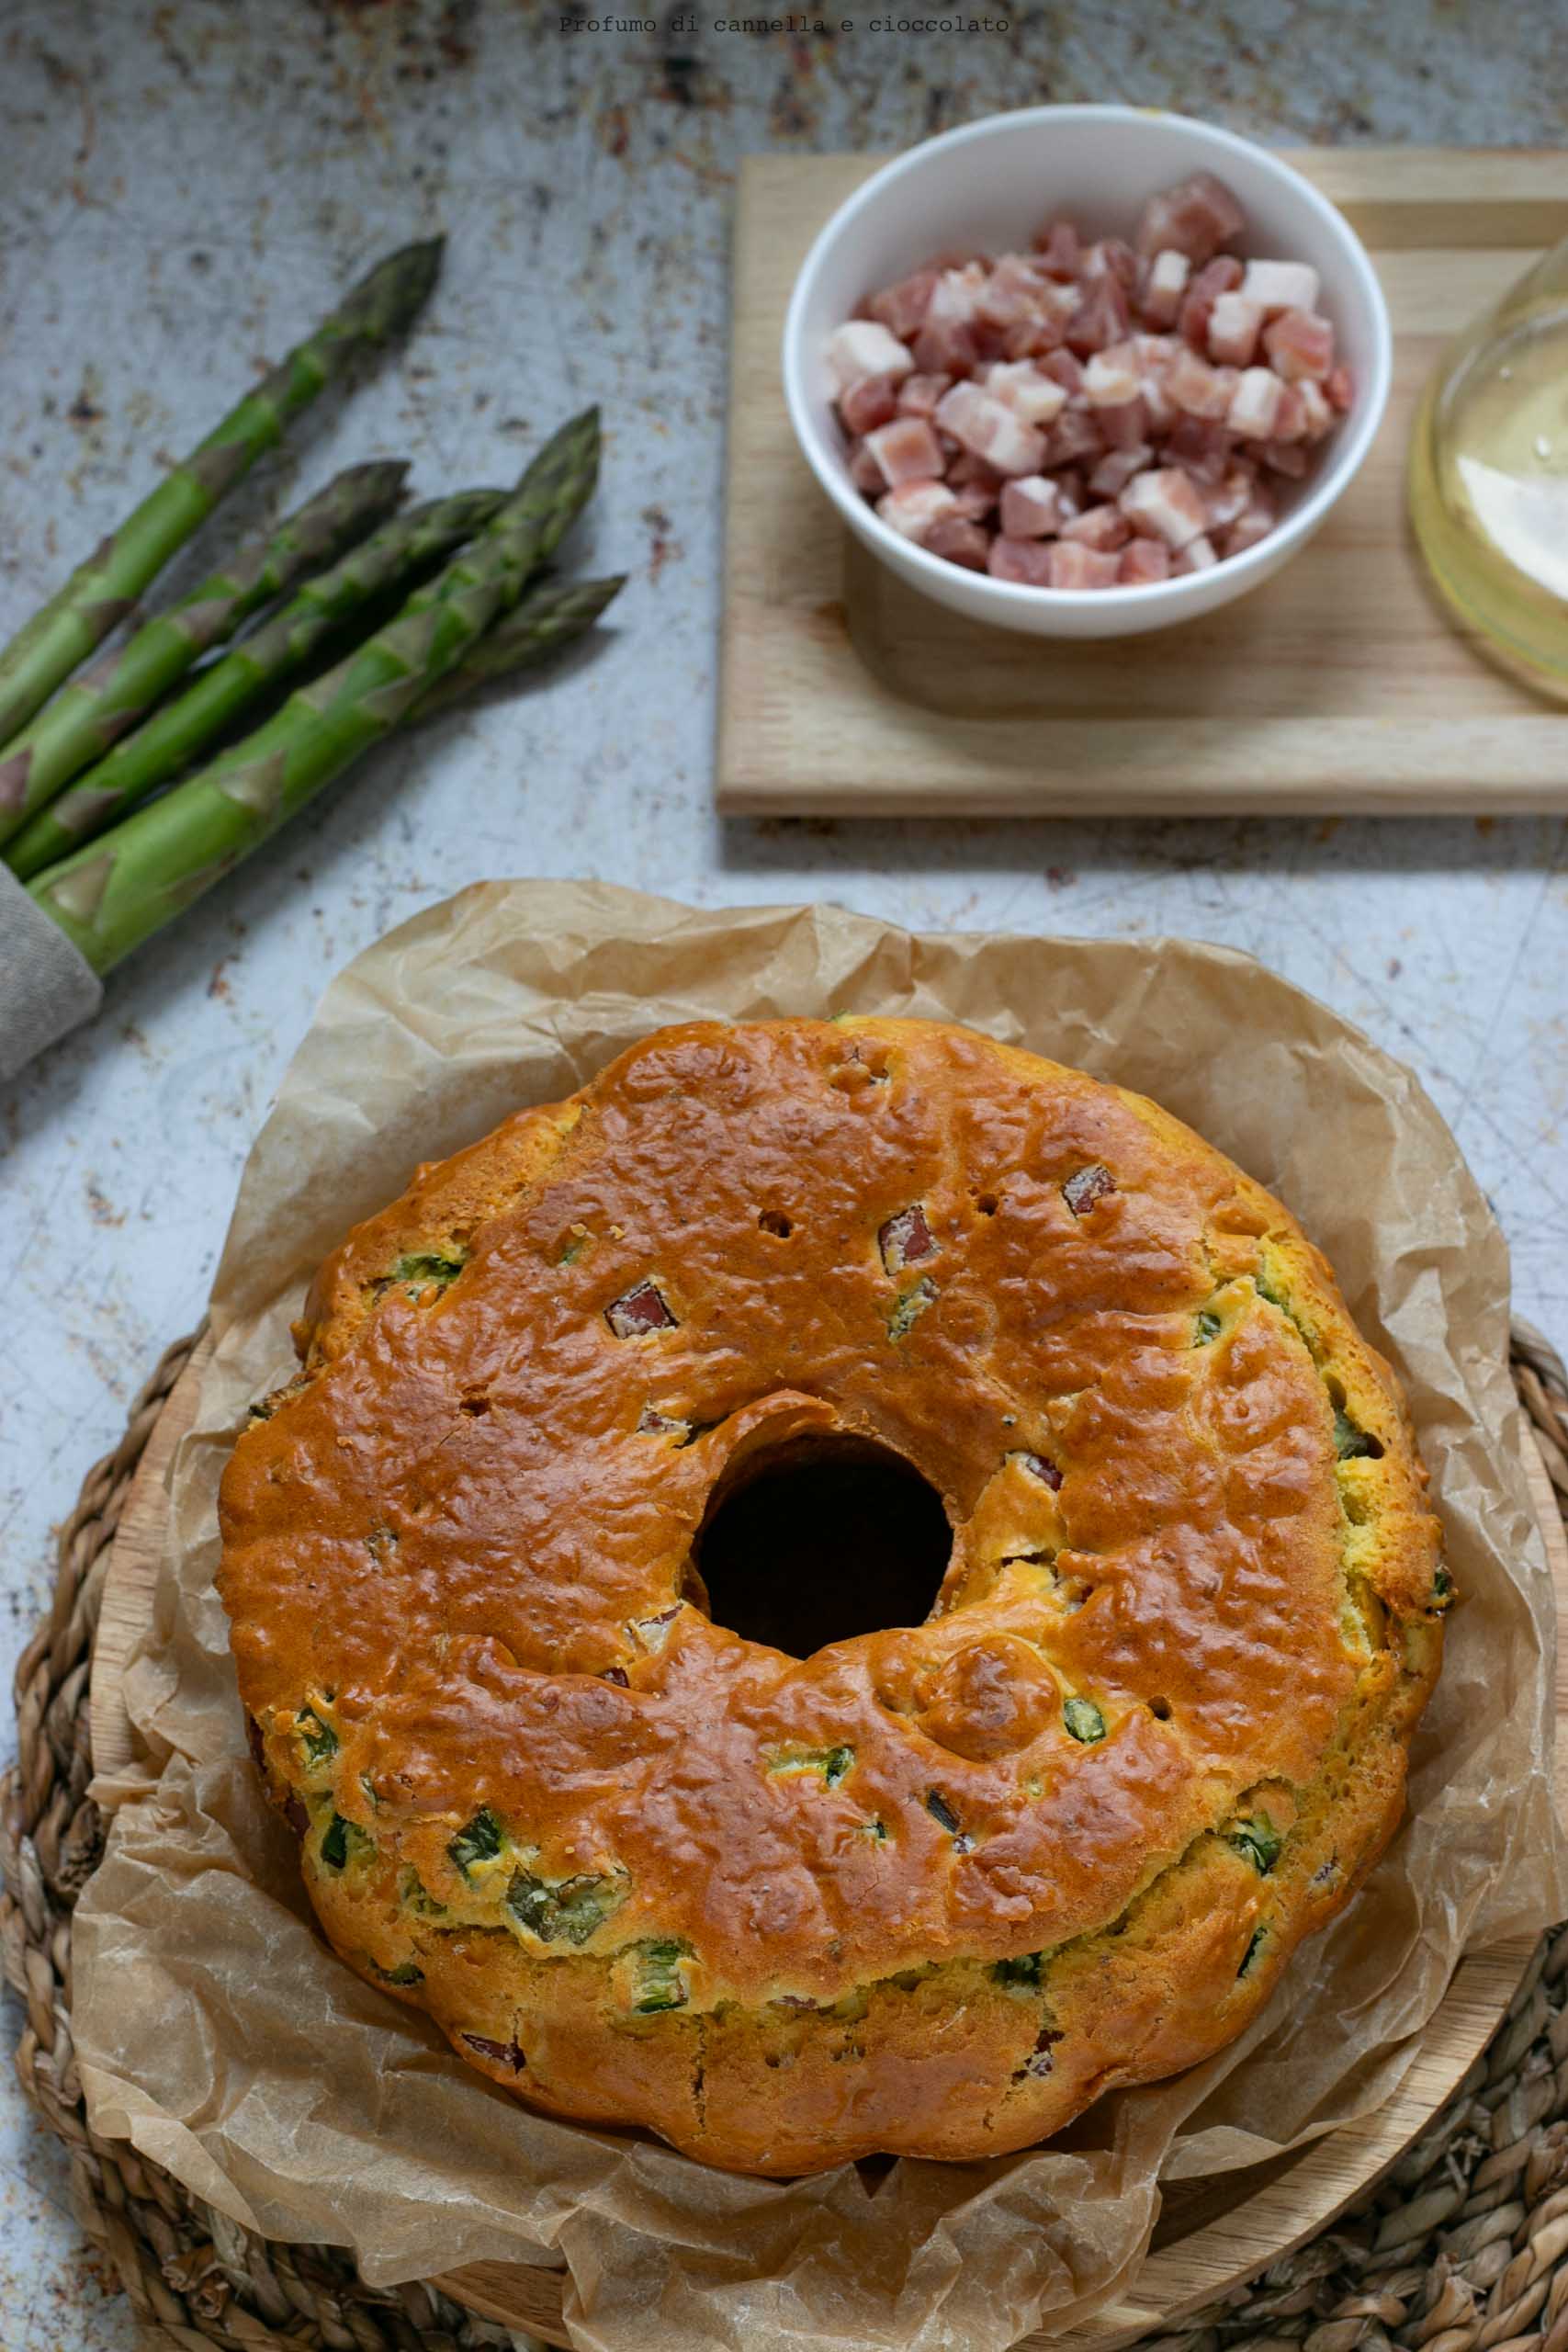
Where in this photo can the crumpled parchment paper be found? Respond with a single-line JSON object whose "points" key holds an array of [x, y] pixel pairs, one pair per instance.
{"points": [[214, 2028]]}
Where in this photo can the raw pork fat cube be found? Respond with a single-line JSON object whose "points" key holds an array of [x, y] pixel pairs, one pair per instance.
{"points": [[1280, 285]]}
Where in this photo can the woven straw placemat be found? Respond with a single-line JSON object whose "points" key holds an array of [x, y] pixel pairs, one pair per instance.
{"points": [[1461, 2247]]}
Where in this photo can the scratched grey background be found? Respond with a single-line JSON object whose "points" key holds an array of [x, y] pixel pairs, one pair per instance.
{"points": [[182, 188]]}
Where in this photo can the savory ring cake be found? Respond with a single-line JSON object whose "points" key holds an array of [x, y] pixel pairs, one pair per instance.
{"points": [[934, 1886]]}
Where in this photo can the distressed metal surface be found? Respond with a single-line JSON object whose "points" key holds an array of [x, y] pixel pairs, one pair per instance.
{"points": [[183, 186]]}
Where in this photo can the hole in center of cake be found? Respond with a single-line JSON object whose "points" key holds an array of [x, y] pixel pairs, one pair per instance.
{"points": [[818, 1539]]}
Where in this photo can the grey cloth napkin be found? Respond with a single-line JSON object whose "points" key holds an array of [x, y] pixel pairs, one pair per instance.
{"points": [[47, 986]]}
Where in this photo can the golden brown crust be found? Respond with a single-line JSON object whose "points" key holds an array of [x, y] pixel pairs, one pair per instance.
{"points": [[932, 1889]]}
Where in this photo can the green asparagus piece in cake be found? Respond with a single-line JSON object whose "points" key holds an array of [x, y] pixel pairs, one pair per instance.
{"points": [[112, 894], [550, 617], [275, 653], [115, 693], [101, 591]]}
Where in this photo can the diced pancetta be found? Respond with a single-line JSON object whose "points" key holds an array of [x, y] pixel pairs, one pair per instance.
{"points": [[1076, 567], [1057, 245], [991, 430], [1105, 528], [907, 450], [958, 539], [1025, 561], [946, 347], [916, 507], [1164, 284], [861, 347], [1198, 555], [1318, 417], [1201, 390], [1300, 347], [919, 395], [1142, 562], [1195, 217], [1200, 447], [1228, 499], [1220, 276], [1111, 257], [955, 296], [976, 501], [1102, 316], [1255, 403], [902, 307], [1234, 326], [1116, 469], [1280, 286], [1124, 427], [1031, 338], [1165, 505], [1255, 522], [1016, 289], [1032, 508], [1087, 415], [868, 403], [1064, 369], [1111, 378], [1286, 457], [864, 472], [1027, 389], [1075, 434], [970, 472]]}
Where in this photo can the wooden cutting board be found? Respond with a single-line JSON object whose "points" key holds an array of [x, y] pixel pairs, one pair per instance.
{"points": [[1212, 2235], [1338, 686]]}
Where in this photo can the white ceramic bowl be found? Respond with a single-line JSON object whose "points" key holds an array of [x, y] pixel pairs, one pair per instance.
{"points": [[988, 186]]}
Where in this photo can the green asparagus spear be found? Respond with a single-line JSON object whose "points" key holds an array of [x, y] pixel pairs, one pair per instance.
{"points": [[549, 616], [277, 652], [110, 895], [113, 694], [100, 592]]}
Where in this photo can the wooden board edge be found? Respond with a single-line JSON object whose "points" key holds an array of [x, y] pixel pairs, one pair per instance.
{"points": [[935, 763]]}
